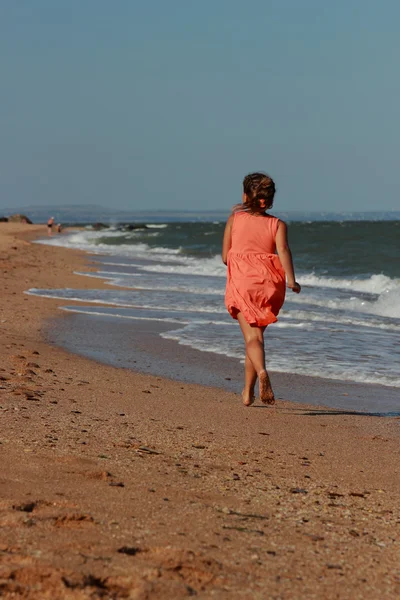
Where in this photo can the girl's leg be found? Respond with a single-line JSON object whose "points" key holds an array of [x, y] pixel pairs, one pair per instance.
{"points": [[254, 340], [250, 378]]}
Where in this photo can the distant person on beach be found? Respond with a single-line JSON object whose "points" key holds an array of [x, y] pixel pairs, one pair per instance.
{"points": [[256, 276], [59, 228], [50, 224]]}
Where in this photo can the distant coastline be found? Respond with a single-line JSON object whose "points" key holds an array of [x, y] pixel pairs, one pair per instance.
{"points": [[86, 214]]}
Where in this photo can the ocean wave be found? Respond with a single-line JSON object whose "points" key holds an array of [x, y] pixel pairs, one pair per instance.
{"points": [[73, 294], [313, 364], [191, 266], [128, 299], [118, 264], [100, 313], [160, 287], [91, 241], [341, 327], [386, 305], [332, 319], [106, 274], [138, 281], [376, 284]]}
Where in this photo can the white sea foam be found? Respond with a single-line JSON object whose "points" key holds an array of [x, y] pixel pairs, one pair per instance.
{"points": [[127, 300], [376, 284], [335, 319], [310, 363], [119, 264], [131, 235], [161, 287], [72, 294], [191, 266], [187, 265], [219, 347], [100, 313], [89, 241], [106, 274], [386, 305], [138, 281]]}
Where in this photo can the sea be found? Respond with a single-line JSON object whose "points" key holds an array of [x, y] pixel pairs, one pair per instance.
{"points": [[345, 324]]}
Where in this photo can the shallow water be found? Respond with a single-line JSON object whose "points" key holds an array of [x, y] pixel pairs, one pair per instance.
{"points": [[345, 325]]}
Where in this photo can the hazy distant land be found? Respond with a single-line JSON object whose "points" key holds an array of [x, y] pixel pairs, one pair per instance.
{"points": [[89, 213]]}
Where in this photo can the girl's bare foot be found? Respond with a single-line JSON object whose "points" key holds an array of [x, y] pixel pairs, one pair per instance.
{"points": [[248, 399], [266, 393]]}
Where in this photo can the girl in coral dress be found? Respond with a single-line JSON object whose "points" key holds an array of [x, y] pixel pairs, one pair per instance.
{"points": [[260, 267]]}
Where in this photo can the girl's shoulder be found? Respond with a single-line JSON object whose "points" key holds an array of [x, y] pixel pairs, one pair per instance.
{"points": [[236, 214], [244, 214], [276, 220], [229, 222]]}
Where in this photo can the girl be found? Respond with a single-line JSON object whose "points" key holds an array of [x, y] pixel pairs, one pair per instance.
{"points": [[255, 288]]}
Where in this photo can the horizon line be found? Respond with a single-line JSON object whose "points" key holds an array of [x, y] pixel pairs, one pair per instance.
{"points": [[177, 210]]}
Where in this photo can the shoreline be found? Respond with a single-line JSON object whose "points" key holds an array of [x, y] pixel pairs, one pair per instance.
{"points": [[140, 348], [132, 485], [184, 363]]}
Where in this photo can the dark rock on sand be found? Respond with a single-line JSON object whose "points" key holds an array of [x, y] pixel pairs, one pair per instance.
{"points": [[130, 550], [99, 226], [133, 226]]}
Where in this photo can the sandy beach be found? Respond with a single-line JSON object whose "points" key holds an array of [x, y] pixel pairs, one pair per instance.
{"points": [[123, 484]]}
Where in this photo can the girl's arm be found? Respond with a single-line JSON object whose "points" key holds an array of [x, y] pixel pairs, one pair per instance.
{"points": [[285, 256], [226, 244]]}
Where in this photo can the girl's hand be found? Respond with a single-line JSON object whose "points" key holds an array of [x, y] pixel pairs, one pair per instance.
{"points": [[295, 287]]}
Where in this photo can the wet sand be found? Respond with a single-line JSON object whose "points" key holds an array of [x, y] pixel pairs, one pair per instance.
{"points": [[116, 484], [137, 345]]}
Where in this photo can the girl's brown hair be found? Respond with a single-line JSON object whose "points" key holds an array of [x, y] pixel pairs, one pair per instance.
{"points": [[259, 190]]}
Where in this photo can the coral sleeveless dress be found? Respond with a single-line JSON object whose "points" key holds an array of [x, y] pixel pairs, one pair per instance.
{"points": [[256, 281]]}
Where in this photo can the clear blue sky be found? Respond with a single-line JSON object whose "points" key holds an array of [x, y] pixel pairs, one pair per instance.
{"points": [[169, 103]]}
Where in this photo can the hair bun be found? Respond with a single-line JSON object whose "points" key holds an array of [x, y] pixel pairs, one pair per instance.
{"points": [[258, 187]]}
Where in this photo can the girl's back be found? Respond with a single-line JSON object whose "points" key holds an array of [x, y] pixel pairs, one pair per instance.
{"points": [[255, 277], [253, 234], [256, 285]]}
